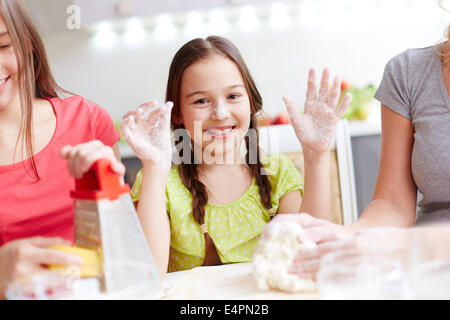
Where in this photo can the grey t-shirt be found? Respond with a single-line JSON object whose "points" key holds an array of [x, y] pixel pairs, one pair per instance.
{"points": [[413, 86]]}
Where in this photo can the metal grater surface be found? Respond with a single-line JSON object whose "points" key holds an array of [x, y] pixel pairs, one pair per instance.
{"points": [[106, 221]]}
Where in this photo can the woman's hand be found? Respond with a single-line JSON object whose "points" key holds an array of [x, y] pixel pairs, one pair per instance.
{"points": [[24, 258], [81, 157], [331, 237], [147, 131], [316, 127], [327, 235]]}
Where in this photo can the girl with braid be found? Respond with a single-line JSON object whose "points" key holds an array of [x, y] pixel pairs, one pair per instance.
{"points": [[212, 207]]}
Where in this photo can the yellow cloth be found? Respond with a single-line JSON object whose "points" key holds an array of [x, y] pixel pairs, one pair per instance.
{"points": [[235, 227]]}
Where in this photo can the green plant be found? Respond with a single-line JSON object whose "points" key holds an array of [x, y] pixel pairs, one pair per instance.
{"points": [[360, 106]]}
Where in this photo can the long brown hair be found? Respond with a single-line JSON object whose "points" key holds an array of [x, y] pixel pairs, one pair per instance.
{"points": [[189, 53], [34, 75]]}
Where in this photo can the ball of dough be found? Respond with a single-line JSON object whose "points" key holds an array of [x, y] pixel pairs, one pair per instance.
{"points": [[274, 255]]}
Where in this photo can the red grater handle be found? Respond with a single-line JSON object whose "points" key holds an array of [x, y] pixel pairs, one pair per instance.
{"points": [[100, 182]]}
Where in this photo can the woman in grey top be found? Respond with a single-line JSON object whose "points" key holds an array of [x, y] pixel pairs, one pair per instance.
{"points": [[415, 156], [416, 135]]}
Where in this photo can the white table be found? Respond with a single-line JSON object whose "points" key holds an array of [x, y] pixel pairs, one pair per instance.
{"points": [[225, 282]]}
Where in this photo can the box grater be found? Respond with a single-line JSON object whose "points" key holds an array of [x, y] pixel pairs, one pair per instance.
{"points": [[106, 221]]}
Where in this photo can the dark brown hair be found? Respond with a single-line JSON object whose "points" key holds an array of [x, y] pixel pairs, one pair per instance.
{"points": [[188, 54], [35, 79]]}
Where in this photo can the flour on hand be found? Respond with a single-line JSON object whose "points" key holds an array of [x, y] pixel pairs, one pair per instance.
{"points": [[316, 127], [147, 131], [274, 255]]}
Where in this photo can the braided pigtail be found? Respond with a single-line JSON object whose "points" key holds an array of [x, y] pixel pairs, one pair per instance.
{"points": [[256, 167], [189, 177]]}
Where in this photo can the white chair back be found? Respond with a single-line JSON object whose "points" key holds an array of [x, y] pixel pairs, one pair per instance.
{"points": [[282, 139]]}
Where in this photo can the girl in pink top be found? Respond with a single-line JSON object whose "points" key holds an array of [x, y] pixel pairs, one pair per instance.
{"points": [[36, 129]]}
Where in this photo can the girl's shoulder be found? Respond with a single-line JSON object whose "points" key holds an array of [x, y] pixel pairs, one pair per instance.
{"points": [[276, 163], [174, 183], [75, 104], [282, 173], [174, 179], [80, 114]]}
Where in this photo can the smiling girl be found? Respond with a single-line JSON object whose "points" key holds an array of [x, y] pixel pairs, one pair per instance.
{"points": [[208, 213], [36, 210]]}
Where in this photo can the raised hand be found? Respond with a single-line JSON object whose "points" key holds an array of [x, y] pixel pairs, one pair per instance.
{"points": [[147, 131], [315, 128]]}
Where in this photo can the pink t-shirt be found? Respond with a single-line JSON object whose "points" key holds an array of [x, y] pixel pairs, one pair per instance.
{"points": [[31, 208]]}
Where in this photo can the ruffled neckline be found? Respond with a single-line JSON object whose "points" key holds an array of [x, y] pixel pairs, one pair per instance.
{"points": [[238, 201]]}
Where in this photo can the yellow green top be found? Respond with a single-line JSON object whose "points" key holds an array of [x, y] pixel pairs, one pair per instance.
{"points": [[234, 227]]}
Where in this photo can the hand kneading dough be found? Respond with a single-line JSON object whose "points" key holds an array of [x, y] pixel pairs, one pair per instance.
{"points": [[274, 255]]}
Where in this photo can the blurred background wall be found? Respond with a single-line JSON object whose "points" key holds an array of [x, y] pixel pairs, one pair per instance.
{"points": [[119, 61], [117, 52]]}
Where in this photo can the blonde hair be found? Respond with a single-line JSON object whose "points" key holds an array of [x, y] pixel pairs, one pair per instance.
{"points": [[438, 47], [35, 79], [445, 57]]}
